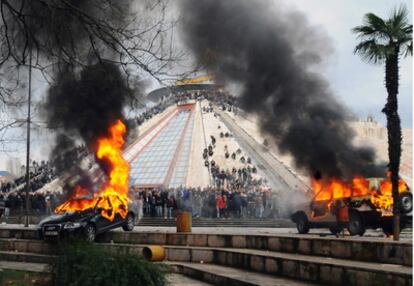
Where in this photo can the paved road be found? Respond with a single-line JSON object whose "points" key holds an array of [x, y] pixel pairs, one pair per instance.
{"points": [[278, 176]]}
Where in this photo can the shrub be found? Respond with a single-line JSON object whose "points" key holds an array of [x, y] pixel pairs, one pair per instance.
{"points": [[83, 264]]}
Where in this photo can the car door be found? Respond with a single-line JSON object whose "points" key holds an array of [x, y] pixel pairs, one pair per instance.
{"points": [[117, 222], [102, 223], [320, 208]]}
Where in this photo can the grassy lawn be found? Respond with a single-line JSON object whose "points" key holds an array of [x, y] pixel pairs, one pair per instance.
{"points": [[23, 278]]}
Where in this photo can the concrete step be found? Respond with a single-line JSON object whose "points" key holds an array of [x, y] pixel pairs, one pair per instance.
{"points": [[202, 219], [361, 249], [17, 219], [176, 279], [24, 266], [312, 269], [213, 226], [18, 231], [356, 248], [197, 222], [201, 274], [210, 222], [25, 257], [229, 276]]}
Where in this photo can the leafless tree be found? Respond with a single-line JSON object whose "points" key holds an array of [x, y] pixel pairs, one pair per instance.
{"points": [[136, 35], [74, 32]]}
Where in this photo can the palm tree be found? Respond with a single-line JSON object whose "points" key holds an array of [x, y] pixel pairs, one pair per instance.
{"points": [[385, 41]]}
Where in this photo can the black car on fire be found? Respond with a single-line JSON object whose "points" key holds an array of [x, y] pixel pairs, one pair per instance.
{"points": [[85, 224]]}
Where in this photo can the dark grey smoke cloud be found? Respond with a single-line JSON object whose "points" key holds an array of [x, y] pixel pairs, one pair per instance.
{"points": [[87, 104], [268, 52], [83, 107], [89, 91]]}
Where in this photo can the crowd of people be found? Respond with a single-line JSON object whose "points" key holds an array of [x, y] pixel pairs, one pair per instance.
{"points": [[39, 203], [208, 202], [230, 178], [40, 174], [148, 114], [13, 193]]}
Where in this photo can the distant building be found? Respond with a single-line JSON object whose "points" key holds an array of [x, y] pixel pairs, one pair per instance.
{"points": [[5, 177], [13, 167], [370, 118], [369, 127]]}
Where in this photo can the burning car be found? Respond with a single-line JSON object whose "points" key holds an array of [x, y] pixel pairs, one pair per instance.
{"points": [[357, 205], [88, 212], [85, 223]]}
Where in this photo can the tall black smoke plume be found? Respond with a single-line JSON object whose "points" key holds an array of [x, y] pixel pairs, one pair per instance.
{"points": [[265, 52], [80, 108], [89, 103], [88, 93]]}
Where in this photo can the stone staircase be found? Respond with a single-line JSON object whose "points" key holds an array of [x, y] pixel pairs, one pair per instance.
{"points": [[230, 259], [197, 222], [217, 222]]}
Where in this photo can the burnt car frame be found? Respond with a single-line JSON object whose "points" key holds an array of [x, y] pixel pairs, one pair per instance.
{"points": [[355, 213], [85, 224]]}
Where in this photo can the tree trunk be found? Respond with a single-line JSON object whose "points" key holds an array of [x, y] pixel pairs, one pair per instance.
{"points": [[394, 133]]}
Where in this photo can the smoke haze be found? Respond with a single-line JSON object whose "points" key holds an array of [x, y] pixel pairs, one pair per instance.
{"points": [[269, 52]]}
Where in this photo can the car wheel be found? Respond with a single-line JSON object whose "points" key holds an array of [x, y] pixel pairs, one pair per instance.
{"points": [[406, 202], [129, 223], [356, 224], [90, 233], [302, 223], [335, 229]]}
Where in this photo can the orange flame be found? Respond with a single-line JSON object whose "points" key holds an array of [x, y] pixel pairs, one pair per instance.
{"points": [[383, 200], [380, 196], [113, 197]]}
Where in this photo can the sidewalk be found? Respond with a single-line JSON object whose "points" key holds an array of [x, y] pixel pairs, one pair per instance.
{"points": [[373, 235]]}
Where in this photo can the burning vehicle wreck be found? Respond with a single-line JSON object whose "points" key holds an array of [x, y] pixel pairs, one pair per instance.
{"points": [[359, 205], [85, 223], [88, 212]]}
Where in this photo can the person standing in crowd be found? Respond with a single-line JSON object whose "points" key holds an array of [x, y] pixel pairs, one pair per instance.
{"points": [[196, 203], [164, 199], [221, 203], [259, 205], [171, 206], [2, 205], [6, 207], [140, 205], [158, 204], [48, 202], [147, 205], [211, 203], [187, 200], [237, 202], [218, 204], [243, 198]]}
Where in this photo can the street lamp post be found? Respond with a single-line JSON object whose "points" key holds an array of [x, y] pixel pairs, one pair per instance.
{"points": [[26, 221]]}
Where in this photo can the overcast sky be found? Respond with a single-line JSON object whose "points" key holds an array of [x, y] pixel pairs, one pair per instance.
{"points": [[357, 84]]}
